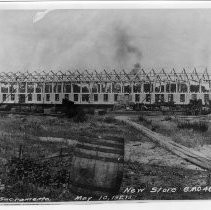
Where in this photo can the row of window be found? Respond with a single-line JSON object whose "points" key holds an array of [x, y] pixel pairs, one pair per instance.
{"points": [[97, 88], [160, 97], [23, 97], [95, 97], [85, 97]]}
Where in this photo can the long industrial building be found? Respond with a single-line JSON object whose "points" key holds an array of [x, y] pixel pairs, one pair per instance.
{"points": [[107, 88]]}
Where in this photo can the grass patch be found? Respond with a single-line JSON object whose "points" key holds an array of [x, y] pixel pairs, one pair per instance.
{"points": [[29, 177], [196, 126]]}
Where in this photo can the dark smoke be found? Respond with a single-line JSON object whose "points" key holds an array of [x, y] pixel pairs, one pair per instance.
{"points": [[126, 49]]}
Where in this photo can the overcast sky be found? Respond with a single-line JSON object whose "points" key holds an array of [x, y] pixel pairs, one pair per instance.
{"points": [[98, 39]]}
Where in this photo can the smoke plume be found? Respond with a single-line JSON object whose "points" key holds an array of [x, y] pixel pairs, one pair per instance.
{"points": [[126, 48]]}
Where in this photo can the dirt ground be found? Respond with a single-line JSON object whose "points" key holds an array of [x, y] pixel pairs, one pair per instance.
{"points": [[146, 164]]}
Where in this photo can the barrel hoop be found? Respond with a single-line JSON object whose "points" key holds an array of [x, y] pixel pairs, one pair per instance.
{"points": [[93, 188], [114, 151], [96, 157], [108, 144]]}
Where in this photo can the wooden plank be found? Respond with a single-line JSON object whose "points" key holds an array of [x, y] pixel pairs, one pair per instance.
{"points": [[190, 155]]}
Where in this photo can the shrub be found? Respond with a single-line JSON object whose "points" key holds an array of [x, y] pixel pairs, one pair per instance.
{"points": [[155, 127], [144, 120], [141, 118], [80, 116], [168, 118], [102, 112], [90, 111], [197, 126], [109, 120]]}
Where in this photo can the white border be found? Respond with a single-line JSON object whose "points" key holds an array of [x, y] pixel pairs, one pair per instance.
{"points": [[106, 5], [158, 204]]}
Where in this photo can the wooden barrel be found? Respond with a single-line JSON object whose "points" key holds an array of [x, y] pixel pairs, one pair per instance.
{"points": [[97, 166]]}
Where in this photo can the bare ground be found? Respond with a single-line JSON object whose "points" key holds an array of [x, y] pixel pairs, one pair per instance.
{"points": [[146, 164]]}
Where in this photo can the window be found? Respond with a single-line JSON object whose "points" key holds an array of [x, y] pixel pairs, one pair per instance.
{"points": [[85, 97], [48, 87], [127, 89], [75, 97], [157, 89], [170, 97], [159, 98], [116, 88], [137, 97], [162, 88], [204, 89], [115, 97], [57, 88], [194, 88], [76, 88], [94, 88], [38, 88], [148, 97], [67, 87], [182, 97], [12, 97], [106, 88], [56, 97], [162, 98], [146, 88], [105, 97], [38, 97], [22, 87], [206, 98], [182, 88], [194, 97], [47, 97], [4, 88], [4, 97], [173, 88], [22, 98], [167, 88], [95, 97], [29, 97], [137, 88], [66, 96], [30, 87], [13, 88], [85, 89]]}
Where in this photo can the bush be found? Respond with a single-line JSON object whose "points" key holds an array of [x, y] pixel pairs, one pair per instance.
{"points": [[155, 127], [168, 118], [141, 118], [109, 120], [102, 112], [197, 126], [80, 116], [144, 120], [90, 111]]}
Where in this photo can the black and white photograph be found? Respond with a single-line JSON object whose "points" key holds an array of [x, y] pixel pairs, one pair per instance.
{"points": [[105, 104]]}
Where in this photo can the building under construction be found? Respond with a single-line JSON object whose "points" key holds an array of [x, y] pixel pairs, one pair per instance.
{"points": [[105, 87]]}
